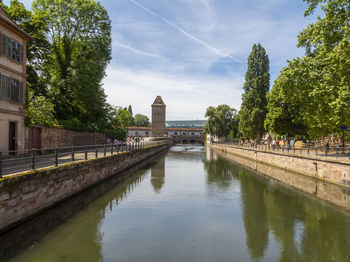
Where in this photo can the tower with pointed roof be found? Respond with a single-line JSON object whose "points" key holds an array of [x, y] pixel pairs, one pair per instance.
{"points": [[158, 117]]}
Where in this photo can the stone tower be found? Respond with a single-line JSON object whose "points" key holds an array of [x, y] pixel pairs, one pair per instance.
{"points": [[158, 117]]}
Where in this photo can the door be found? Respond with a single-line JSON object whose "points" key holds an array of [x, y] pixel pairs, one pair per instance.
{"points": [[12, 136]]}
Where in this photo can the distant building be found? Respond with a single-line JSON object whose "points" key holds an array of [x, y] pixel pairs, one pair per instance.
{"points": [[12, 84], [158, 117], [162, 128]]}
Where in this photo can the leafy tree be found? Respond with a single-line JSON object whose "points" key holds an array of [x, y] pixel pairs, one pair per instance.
{"points": [[123, 117], [141, 120], [283, 117], [40, 110], [221, 120], [317, 85], [79, 36], [257, 82]]}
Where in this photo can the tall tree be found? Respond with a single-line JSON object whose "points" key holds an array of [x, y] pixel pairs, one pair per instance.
{"points": [[257, 82], [79, 37]]}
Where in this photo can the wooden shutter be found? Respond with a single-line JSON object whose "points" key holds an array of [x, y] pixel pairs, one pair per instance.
{"points": [[2, 89], [21, 93], [8, 88], [3, 45], [21, 54], [9, 47]]}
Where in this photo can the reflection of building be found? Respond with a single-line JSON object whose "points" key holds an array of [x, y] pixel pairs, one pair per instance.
{"points": [[158, 117], [158, 174], [12, 84]]}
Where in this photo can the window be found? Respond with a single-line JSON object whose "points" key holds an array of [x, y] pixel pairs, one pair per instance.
{"points": [[12, 49], [192, 134], [175, 133], [11, 90]]}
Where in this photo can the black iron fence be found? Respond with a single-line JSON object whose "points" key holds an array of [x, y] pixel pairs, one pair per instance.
{"points": [[331, 153], [32, 159]]}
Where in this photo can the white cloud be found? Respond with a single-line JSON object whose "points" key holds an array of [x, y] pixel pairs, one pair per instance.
{"points": [[186, 98]]}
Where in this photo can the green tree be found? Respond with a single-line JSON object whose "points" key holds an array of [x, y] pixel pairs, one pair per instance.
{"points": [[141, 120], [317, 85], [257, 82], [40, 110], [221, 121], [79, 37]]}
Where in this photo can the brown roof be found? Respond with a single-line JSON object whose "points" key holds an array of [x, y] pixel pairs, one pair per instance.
{"points": [[158, 101], [5, 19]]}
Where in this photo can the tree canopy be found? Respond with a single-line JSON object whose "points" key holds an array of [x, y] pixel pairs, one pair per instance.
{"points": [[316, 86], [141, 120], [221, 121]]}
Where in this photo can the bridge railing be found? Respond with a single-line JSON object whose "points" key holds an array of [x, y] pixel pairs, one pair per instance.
{"points": [[31, 159]]}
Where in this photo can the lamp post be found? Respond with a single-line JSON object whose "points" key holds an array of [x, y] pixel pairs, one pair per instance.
{"points": [[343, 128]]}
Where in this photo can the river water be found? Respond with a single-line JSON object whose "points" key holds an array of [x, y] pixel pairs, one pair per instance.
{"points": [[190, 204]]}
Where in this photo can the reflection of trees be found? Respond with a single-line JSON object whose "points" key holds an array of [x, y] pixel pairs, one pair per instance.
{"points": [[305, 228], [158, 174], [220, 172], [255, 214]]}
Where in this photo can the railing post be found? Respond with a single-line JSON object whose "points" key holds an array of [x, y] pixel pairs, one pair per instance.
{"points": [[326, 151], [308, 151], [73, 154], [112, 145], [104, 150], [56, 156], [0, 164], [33, 159], [316, 151], [96, 151]]}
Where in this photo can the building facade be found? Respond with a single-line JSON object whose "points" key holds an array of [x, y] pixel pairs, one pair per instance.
{"points": [[12, 84], [158, 117]]}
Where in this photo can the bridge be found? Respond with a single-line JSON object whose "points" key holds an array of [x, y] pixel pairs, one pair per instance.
{"points": [[187, 139]]}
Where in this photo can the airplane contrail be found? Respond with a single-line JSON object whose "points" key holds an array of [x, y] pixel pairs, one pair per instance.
{"points": [[215, 50]]}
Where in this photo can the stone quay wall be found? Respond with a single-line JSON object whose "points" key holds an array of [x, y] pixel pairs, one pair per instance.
{"points": [[328, 171], [26, 194], [314, 187]]}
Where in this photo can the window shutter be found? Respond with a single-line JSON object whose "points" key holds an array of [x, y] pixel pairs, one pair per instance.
{"points": [[8, 88], [21, 93], [9, 47], [21, 54], [3, 87], [3, 45]]}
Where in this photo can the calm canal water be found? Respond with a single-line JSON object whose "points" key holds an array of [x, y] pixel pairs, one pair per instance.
{"points": [[189, 205]]}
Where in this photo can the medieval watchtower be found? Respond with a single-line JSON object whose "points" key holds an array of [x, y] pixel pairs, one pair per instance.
{"points": [[158, 117]]}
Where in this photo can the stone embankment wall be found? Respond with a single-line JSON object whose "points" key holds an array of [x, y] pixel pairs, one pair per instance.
{"points": [[26, 194], [331, 193], [328, 171]]}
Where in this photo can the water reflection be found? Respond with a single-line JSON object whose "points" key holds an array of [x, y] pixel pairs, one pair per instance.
{"points": [[80, 239], [158, 174], [306, 229]]}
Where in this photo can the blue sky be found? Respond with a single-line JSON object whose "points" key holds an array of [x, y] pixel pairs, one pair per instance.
{"points": [[194, 52]]}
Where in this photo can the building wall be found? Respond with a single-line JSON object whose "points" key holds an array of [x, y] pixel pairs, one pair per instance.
{"points": [[5, 119], [11, 111], [26, 194]]}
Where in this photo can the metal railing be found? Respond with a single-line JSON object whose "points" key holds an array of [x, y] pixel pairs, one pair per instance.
{"points": [[329, 153], [32, 159]]}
